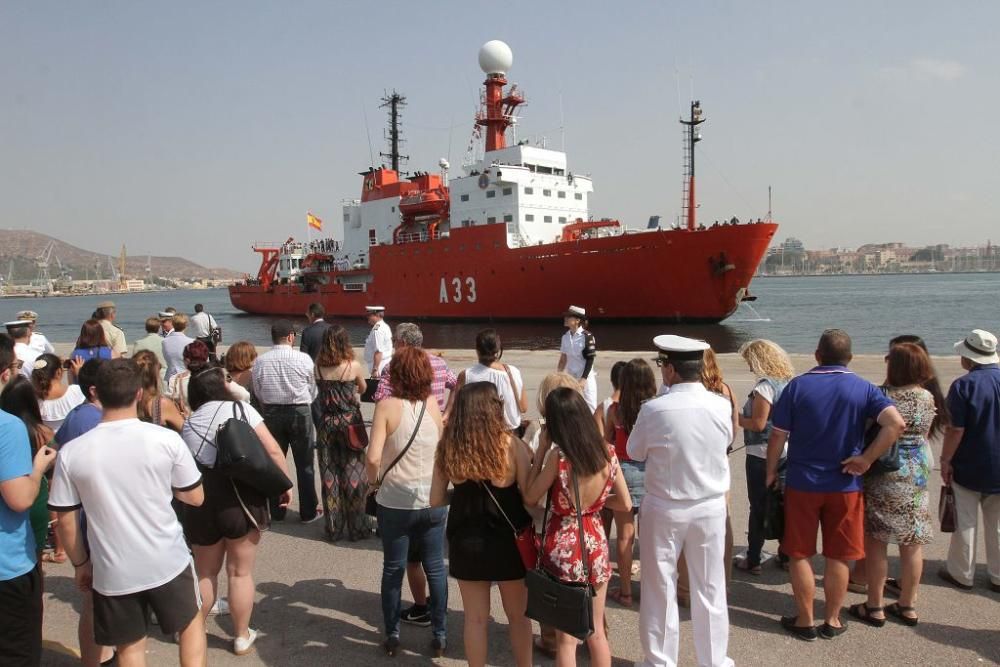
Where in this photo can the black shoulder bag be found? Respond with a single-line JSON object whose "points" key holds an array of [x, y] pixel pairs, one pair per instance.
{"points": [[241, 456], [563, 605], [371, 505]]}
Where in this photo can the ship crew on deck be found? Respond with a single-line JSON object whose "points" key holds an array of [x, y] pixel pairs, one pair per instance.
{"points": [[577, 353], [683, 437], [378, 345]]}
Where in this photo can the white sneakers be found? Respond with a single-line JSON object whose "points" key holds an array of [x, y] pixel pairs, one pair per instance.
{"points": [[220, 608], [242, 645]]}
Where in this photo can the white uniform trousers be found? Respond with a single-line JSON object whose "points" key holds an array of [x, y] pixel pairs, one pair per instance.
{"points": [[962, 552], [699, 528], [590, 390]]}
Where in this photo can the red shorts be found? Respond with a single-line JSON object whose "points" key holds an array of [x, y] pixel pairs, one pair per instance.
{"points": [[841, 515]]}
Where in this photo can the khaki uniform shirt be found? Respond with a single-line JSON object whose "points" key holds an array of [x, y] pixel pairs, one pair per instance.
{"points": [[115, 336]]}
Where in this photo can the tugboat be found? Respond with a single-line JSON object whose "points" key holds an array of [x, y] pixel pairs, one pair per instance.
{"points": [[510, 238]]}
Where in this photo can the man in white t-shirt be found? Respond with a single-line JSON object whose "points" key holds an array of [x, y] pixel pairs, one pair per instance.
{"points": [[124, 474]]}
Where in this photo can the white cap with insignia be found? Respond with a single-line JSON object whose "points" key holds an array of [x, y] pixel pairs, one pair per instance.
{"points": [[17, 323], [375, 309], [166, 315], [576, 311], [679, 346]]}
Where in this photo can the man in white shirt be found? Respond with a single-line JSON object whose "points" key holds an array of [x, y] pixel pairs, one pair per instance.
{"points": [[20, 331], [124, 473], [174, 344], [39, 342], [378, 345], [284, 382], [106, 314], [683, 436], [201, 326]]}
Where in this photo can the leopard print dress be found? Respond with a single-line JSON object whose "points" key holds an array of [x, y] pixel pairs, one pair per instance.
{"points": [[897, 504]]}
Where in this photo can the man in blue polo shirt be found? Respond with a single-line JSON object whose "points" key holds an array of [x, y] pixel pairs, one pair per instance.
{"points": [[970, 460], [20, 577], [824, 412]]}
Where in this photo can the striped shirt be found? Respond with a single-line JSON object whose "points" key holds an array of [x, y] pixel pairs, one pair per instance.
{"points": [[443, 379], [283, 376]]}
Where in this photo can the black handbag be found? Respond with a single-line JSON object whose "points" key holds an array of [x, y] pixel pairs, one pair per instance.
{"points": [[889, 461], [774, 513], [566, 606], [369, 394], [241, 456], [371, 505]]}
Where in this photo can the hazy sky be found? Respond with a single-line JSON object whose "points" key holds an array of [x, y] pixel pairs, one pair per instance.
{"points": [[195, 128]]}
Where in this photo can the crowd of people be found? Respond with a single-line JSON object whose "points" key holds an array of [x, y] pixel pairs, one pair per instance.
{"points": [[110, 459]]}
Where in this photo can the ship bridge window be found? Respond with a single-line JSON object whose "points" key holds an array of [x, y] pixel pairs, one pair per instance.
{"points": [[544, 170], [530, 167], [508, 191], [529, 191], [578, 195], [558, 172], [529, 217], [546, 193], [508, 218], [547, 218], [465, 197], [562, 195], [490, 194], [491, 220], [562, 220]]}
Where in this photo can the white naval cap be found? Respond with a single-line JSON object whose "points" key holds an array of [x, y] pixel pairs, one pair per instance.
{"points": [[375, 309], [17, 323], [576, 311], [165, 315], [27, 315], [679, 346]]}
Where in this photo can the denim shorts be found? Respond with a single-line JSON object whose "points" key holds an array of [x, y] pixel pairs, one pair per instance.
{"points": [[634, 473]]}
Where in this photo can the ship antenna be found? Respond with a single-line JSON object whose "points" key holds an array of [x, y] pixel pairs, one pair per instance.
{"points": [[394, 102], [769, 203], [371, 151], [693, 136]]}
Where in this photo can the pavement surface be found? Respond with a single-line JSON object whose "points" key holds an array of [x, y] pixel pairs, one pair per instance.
{"points": [[318, 603]]}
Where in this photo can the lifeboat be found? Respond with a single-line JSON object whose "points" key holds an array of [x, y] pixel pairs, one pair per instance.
{"points": [[424, 203]]}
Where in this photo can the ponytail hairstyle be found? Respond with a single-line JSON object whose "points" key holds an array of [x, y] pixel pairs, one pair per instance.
{"points": [[48, 368]]}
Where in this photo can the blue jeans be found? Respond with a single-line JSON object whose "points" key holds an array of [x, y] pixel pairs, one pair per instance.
{"points": [[397, 528]]}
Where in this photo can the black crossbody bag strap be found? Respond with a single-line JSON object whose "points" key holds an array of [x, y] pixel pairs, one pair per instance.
{"points": [[584, 555], [416, 429]]}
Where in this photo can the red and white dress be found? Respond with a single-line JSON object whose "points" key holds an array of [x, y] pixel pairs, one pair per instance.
{"points": [[561, 544]]}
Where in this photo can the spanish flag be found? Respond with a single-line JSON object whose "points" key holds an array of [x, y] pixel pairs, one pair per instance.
{"points": [[313, 221]]}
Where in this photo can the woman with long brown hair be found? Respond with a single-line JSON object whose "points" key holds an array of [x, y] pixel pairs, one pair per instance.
{"points": [[343, 483], [480, 456], [400, 462], [580, 459], [92, 343], [153, 406], [897, 504], [637, 385]]}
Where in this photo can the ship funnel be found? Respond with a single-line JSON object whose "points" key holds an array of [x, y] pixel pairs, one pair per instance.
{"points": [[495, 57]]}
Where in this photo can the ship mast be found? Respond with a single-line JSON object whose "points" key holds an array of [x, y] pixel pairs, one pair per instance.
{"points": [[394, 102], [495, 59], [693, 136]]}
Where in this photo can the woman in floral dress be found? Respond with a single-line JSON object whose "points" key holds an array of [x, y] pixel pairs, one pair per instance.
{"points": [[344, 484], [897, 506], [580, 453]]}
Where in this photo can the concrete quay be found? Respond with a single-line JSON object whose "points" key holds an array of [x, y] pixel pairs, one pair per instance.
{"points": [[318, 603]]}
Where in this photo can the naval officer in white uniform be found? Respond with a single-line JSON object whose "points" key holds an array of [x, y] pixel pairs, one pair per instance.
{"points": [[577, 352], [378, 345], [683, 436]]}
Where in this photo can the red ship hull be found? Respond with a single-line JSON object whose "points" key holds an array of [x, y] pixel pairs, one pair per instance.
{"points": [[667, 275]]}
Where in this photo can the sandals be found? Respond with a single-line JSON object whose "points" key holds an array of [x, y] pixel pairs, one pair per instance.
{"points": [[899, 611], [863, 612], [621, 598]]}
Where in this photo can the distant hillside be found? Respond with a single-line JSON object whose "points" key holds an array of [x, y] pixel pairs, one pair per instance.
{"points": [[23, 247]]}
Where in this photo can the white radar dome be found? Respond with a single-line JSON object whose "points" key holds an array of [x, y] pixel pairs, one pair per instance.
{"points": [[495, 57]]}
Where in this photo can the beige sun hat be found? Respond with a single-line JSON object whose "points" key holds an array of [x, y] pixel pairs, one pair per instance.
{"points": [[979, 347]]}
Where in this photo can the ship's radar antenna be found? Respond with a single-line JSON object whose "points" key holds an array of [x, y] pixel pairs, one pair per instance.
{"points": [[496, 59], [394, 102]]}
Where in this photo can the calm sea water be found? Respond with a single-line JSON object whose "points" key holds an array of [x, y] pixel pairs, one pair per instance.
{"points": [[790, 311]]}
